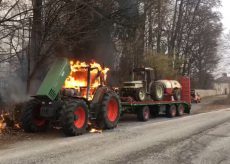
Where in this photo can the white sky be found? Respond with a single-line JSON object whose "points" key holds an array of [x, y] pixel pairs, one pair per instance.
{"points": [[223, 66], [225, 9]]}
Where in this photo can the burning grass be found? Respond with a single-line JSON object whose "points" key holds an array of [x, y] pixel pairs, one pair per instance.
{"points": [[9, 120]]}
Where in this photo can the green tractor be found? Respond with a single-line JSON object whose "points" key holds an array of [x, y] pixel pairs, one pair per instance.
{"points": [[54, 103]]}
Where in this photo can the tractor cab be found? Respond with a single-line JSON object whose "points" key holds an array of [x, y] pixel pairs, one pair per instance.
{"points": [[139, 86], [143, 74]]}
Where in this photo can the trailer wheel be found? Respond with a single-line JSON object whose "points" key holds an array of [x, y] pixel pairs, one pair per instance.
{"points": [[109, 113], [143, 113], [154, 111], [180, 110], [157, 91], [74, 118], [171, 111], [31, 120], [140, 94], [177, 94]]}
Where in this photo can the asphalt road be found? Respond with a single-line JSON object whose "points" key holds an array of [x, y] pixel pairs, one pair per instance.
{"points": [[201, 138]]}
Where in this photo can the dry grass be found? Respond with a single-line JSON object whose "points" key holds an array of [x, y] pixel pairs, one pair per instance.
{"points": [[225, 101]]}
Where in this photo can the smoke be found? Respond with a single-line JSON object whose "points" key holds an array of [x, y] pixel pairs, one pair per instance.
{"points": [[13, 90]]}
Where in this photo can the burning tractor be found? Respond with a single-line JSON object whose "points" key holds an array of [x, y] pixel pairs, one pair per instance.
{"points": [[144, 86], [74, 95]]}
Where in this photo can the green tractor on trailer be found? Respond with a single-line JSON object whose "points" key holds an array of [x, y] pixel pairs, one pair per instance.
{"points": [[66, 106]]}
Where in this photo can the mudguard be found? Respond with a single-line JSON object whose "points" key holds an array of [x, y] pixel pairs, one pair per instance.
{"points": [[97, 98], [96, 102]]}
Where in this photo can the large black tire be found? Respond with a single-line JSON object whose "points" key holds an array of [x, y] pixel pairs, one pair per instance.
{"points": [[177, 94], [109, 112], [143, 113], [171, 111], [180, 110], [140, 94], [157, 91], [30, 120], [74, 118]]}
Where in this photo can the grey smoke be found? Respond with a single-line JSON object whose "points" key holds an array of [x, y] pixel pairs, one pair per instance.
{"points": [[13, 91]]}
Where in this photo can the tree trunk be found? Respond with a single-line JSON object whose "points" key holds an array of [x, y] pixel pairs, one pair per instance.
{"points": [[159, 28], [35, 41]]}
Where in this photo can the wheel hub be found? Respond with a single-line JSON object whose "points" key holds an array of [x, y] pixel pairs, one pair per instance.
{"points": [[112, 110], [79, 117]]}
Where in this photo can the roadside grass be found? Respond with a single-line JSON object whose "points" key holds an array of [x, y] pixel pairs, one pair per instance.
{"points": [[225, 101]]}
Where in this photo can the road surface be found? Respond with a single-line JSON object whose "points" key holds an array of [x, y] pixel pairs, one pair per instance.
{"points": [[201, 138]]}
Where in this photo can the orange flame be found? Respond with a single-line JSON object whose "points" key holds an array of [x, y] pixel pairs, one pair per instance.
{"points": [[2, 123], [95, 131], [78, 77], [7, 123]]}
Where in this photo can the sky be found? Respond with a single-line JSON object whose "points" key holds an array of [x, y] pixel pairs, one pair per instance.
{"points": [[225, 10], [224, 66]]}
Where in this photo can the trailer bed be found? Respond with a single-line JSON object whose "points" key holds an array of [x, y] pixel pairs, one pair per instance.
{"points": [[127, 102]]}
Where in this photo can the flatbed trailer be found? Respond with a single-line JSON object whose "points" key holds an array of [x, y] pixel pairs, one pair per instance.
{"points": [[172, 108]]}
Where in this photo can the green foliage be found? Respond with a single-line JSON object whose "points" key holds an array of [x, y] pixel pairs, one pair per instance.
{"points": [[163, 65]]}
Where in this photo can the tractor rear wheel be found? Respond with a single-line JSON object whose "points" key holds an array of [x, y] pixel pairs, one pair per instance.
{"points": [[157, 91], [143, 113], [177, 94], [109, 113], [171, 111], [31, 120], [74, 118]]}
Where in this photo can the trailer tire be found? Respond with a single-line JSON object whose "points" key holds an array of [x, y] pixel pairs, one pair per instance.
{"points": [[30, 120], [157, 91], [109, 112], [74, 118], [180, 110], [171, 111], [143, 113]]}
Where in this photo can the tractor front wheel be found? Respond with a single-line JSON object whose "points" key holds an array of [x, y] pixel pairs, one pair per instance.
{"points": [[74, 118], [31, 120], [140, 94], [109, 113]]}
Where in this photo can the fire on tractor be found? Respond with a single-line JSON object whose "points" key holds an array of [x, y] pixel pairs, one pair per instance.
{"points": [[73, 94]]}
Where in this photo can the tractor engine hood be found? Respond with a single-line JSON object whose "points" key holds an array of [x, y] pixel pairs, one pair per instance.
{"points": [[135, 84]]}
